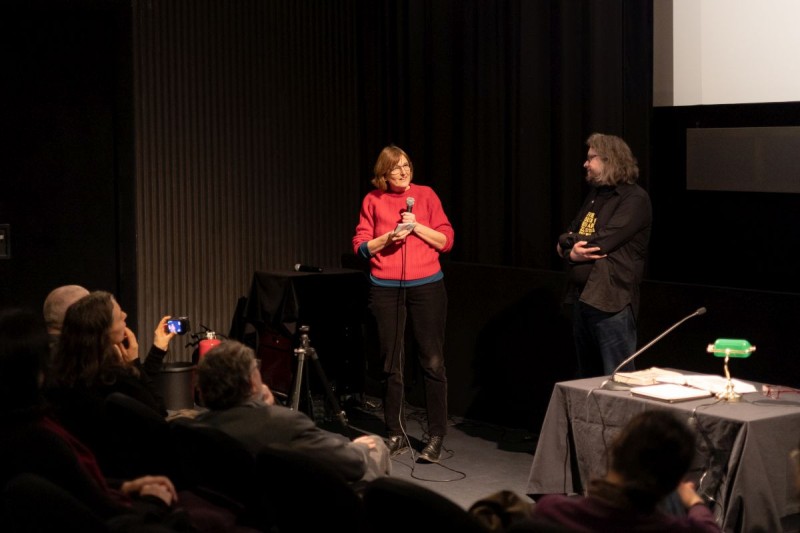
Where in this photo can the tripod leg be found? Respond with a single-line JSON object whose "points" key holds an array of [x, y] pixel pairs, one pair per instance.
{"points": [[340, 414], [298, 380], [309, 397]]}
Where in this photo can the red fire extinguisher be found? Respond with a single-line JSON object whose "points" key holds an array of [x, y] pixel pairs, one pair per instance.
{"points": [[209, 342]]}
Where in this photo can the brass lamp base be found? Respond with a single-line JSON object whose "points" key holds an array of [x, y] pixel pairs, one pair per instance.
{"points": [[729, 394]]}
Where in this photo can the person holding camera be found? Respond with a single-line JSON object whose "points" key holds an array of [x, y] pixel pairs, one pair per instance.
{"points": [[52, 480], [605, 248], [97, 355]]}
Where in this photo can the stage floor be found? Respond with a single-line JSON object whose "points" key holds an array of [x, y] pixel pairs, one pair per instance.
{"points": [[478, 458]]}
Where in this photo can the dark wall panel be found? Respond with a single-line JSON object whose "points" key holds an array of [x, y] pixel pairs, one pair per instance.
{"points": [[246, 147], [742, 159], [64, 124], [722, 238]]}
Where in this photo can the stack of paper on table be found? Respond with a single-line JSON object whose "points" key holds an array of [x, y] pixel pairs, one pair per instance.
{"points": [[648, 376], [676, 387], [708, 382], [669, 392]]}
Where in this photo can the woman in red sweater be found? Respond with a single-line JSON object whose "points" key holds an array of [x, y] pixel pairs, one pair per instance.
{"points": [[402, 229]]}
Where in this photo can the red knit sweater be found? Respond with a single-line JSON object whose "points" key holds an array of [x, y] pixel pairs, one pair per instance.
{"points": [[380, 213]]}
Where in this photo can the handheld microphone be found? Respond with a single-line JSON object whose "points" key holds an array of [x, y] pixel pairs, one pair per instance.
{"points": [[307, 268], [611, 384], [409, 204]]}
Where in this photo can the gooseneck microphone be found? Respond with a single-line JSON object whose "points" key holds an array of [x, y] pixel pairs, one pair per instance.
{"points": [[611, 384], [409, 204]]}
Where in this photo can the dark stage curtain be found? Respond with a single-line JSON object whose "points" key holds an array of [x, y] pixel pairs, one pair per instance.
{"points": [[493, 100]]}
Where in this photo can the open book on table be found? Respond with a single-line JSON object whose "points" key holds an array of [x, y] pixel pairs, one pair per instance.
{"points": [[649, 376], [671, 386], [707, 382], [669, 392]]}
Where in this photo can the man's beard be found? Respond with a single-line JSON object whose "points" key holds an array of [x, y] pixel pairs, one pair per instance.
{"points": [[594, 180]]}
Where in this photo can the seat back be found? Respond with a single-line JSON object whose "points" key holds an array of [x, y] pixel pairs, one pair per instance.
{"points": [[136, 440], [37, 450], [306, 495], [398, 505], [219, 469], [31, 503]]}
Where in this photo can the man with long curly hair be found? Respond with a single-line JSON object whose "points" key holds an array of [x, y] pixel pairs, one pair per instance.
{"points": [[605, 248]]}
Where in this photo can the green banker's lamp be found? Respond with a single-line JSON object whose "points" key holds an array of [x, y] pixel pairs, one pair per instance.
{"points": [[728, 348]]}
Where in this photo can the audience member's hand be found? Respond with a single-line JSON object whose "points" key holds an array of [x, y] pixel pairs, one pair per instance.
{"points": [[688, 494], [159, 486], [371, 441], [162, 337], [266, 395], [128, 349]]}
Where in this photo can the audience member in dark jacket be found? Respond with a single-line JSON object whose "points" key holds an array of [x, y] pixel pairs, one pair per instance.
{"points": [[242, 406]]}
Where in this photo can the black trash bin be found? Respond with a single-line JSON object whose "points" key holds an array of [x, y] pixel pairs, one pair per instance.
{"points": [[176, 385]]}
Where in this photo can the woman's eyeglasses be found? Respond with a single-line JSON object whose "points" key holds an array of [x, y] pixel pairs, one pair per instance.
{"points": [[400, 168]]}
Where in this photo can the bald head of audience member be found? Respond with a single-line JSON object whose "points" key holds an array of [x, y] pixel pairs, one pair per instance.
{"points": [[57, 303]]}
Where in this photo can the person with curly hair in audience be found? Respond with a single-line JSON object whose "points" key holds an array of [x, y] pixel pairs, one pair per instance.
{"points": [[42, 459], [648, 460], [97, 355]]}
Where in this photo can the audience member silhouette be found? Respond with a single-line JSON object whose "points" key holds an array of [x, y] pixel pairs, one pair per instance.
{"points": [[56, 305], [97, 355], [647, 461], [241, 405], [33, 442]]}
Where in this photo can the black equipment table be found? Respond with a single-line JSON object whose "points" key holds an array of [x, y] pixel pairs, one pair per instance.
{"points": [[331, 303]]}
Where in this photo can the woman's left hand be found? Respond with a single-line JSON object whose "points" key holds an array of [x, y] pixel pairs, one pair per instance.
{"points": [[162, 337]]}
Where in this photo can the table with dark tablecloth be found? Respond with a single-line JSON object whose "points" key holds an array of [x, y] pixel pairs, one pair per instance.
{"points": [[743, 460]]}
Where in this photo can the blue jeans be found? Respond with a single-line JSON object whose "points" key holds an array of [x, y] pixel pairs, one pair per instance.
{"points": [[425, 308], [602, 340]]}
